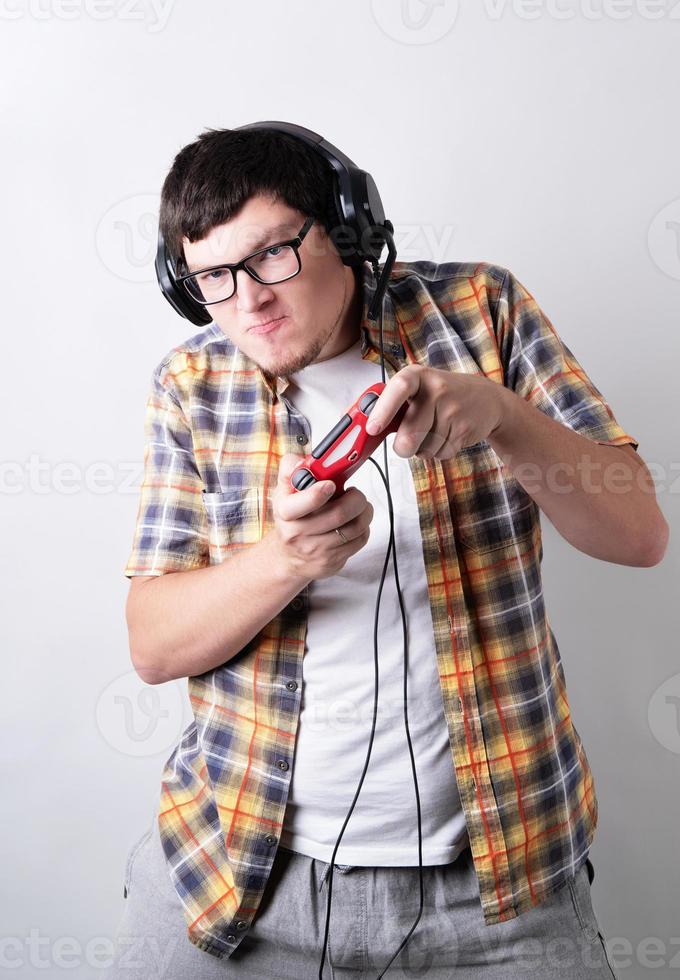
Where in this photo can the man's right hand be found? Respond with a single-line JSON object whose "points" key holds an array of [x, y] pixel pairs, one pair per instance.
{"points": [[305, 522]]}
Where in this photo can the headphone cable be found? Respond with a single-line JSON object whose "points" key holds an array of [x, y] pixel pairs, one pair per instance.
{"points": [[386, 480]]}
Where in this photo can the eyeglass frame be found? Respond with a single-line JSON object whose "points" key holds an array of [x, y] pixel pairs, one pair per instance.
{"points": [[234, 267]]}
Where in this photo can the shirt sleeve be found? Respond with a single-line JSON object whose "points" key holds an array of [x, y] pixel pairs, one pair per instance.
{"points": [[171, 531], [539, 367]]}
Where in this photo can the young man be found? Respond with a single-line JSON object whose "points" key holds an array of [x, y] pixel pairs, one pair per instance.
{"points": [[269, 610]]}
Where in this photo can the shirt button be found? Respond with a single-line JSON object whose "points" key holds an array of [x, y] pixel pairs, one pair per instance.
{"points": [[296, 603], [474, 783], [395, 348], [291, 685], [270, 838], [241, 925], [460, 703], [301, 439], [282, 764], [231, 939]]}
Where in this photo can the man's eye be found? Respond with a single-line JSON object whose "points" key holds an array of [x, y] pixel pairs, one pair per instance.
{"points": [[271, 253], [213, 276]]}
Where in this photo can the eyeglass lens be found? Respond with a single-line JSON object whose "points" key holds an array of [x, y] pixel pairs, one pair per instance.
{"points": [[271, 265]]}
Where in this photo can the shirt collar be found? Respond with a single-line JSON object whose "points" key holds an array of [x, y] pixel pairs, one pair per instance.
{"points": [[370, 330]]}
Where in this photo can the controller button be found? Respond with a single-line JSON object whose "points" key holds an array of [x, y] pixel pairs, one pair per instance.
{"points": [[367, 402], [302, 478], [332, 436]]}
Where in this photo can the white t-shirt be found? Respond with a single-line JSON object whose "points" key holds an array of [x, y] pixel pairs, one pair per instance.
{"points": [[339, 675]]}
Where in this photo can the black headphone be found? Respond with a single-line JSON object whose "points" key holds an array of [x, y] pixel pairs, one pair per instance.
{"points": [[360, 230], [358, 216]]}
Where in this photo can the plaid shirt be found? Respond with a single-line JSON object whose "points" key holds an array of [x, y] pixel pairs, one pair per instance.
{"points": [[216, 428]]}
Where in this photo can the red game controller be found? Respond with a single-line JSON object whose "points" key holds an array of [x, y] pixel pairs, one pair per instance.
{"points": [[346, 446]]}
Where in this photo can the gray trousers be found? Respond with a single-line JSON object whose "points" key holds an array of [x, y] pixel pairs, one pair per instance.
{"points": [[372, 910]]}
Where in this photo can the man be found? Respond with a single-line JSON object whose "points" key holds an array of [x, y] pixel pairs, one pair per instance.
{"points": [[269, 610]]}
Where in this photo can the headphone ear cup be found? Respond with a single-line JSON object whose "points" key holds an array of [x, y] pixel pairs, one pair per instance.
{"points": [[374, 241], [173, 291], [343, 234], [362, 235], [372, 215]]}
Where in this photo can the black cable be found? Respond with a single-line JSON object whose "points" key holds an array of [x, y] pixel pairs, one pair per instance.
{"points": [[386, 480]]}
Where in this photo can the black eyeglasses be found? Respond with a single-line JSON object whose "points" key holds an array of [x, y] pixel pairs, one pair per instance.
{"points": [[269, 265]]}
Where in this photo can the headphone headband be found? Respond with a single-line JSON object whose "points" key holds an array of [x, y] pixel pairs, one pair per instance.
{"points": [[360, 229]]}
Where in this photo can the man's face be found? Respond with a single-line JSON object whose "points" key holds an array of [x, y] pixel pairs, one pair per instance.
{"points": [[321, 306]]}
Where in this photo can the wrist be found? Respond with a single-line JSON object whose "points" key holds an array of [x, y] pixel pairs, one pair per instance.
{"points": [[283, 571], [506, 408]]}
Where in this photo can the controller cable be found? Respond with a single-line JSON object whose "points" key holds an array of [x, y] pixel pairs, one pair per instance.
{"points": [[386, 480]]}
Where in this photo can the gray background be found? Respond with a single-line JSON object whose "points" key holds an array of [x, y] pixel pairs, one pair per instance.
{"points": [[541, 137]]}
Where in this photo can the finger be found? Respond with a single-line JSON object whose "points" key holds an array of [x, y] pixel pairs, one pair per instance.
{"points": [[415, 428], [298, 503], [289, 462], [435, 440], [404, 384]]}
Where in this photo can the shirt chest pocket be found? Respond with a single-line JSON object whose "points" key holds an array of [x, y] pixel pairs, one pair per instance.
{"points": [[490, 509], [233, 520]]}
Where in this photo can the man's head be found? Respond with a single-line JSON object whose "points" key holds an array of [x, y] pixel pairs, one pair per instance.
{"points": [[231, 192]]}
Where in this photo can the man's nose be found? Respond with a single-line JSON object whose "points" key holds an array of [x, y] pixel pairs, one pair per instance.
{"points": [[249, 293]]}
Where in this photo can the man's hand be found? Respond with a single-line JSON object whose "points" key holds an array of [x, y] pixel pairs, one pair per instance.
{"points": [[305, 522], [446, 412]]}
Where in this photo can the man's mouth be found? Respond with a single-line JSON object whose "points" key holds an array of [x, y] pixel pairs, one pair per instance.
{"points": [[267, 325]]}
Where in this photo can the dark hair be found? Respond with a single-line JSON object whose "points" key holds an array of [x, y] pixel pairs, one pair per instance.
{"points": [[213, 177]]}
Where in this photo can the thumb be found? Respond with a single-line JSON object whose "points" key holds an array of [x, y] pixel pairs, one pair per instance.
{"points": [[289, 462]]}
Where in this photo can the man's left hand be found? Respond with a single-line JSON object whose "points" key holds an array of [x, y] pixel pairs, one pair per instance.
{"points": [[447, 411]]}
